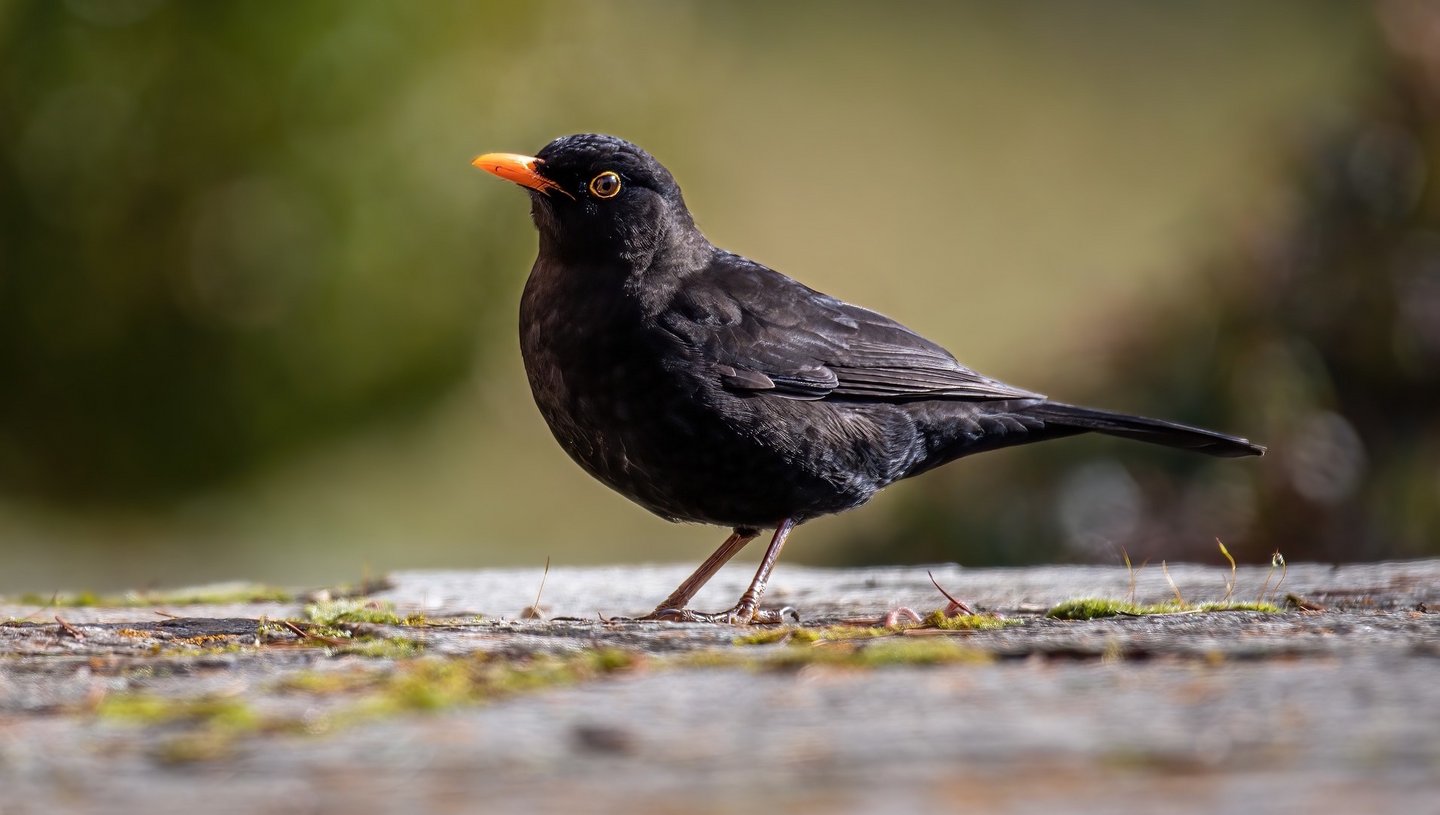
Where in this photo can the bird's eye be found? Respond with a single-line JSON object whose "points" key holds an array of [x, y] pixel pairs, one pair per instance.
{"points": [[605, 185]]}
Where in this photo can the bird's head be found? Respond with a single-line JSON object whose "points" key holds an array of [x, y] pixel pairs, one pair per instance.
{"points": [[601, 200]]}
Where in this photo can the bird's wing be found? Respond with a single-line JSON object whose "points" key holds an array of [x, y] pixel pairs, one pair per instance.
{"points": [[766, 333]]}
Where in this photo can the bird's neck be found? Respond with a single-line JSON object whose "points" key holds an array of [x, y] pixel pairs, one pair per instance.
{"points": [[636, 261], [681, 249]]}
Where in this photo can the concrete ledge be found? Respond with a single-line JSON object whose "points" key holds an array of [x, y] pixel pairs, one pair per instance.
{"points": [[247, 707]]}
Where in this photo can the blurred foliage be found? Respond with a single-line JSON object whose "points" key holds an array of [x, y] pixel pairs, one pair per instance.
{"points": [[256, 311], [1317, 333], [218, 242]]}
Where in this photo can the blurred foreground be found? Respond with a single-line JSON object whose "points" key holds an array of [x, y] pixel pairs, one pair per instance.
{"points": [[1278, 712]]}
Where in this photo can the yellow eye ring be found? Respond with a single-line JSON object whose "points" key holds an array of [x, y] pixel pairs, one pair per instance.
{"points": [[605, 185]]}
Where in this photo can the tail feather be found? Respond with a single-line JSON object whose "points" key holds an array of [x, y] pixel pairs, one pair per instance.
{"points": [[1153, 431]]}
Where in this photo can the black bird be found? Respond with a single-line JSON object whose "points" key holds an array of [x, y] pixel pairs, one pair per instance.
{"points": [[711, 389]]}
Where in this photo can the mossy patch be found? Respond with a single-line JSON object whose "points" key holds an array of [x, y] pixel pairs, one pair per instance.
{"points": [[382, 648], [216, 595], [1090, 608], [806, 635], [437, 684], [208, 728], [343, 638], [968, 622], [148, 709], [1237, 605], [911, 651], [842, 633], [874, 648], [201, 729], [334, 613]]}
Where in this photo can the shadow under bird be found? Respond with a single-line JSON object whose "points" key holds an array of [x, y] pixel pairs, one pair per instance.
{"points": [[711, 389]]}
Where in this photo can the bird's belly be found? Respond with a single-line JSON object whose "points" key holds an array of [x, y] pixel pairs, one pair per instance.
{"points": [[687, 453]]}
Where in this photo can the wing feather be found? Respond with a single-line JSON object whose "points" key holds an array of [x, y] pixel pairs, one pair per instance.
{"points": [[765, 333]]}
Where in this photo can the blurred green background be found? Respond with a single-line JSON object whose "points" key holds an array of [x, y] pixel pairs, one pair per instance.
{"points": [[257, 313]]}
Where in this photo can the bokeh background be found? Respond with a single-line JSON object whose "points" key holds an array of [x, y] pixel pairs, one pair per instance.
{"points": [[257, 313]]}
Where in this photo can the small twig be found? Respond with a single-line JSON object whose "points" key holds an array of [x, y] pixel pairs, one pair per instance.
{"points": [[306, 635], [955, 605], [299, 632], [70, 629], [165, 614]]}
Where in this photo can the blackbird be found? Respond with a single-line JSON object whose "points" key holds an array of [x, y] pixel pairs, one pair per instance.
{"points": [[708, 388]]}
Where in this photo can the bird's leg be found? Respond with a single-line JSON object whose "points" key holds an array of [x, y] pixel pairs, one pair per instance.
{"points": [[674, 606], [745, 610]]}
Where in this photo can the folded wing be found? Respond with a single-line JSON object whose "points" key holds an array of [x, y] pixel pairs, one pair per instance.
{"points": [[765, 333]]}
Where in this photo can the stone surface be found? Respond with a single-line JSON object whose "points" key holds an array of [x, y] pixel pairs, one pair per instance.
{"points": [[1334, 708]]}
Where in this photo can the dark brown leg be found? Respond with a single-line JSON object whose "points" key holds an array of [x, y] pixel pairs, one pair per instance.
{"points": [[680, 598], [745, 610]]}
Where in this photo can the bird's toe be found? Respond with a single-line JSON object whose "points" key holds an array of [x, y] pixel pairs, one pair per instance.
{"points": [[739, 615]]}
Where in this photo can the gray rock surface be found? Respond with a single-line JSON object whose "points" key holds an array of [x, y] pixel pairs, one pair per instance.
{"points": [[225, 709]]}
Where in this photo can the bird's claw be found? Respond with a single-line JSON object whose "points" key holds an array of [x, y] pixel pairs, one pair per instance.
{"points": [[739, 615]]}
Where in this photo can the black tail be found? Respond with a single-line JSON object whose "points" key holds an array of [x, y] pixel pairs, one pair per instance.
{"points": [[1154, 431]]}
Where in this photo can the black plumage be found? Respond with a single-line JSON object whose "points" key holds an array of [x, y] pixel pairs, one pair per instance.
{"points": [[709, 388]]}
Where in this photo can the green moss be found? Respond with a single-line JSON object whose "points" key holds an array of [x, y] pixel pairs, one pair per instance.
{"points": [[437, 684], [222, 594], [83, 599], [209, 727], [146, 709], [428, 685], [328, 683], [219, 596], [804, 635], [852, 651], [968, 622], [333, 613], [842, 633], [1090, 608], [201, 729], [916, 651], [766, 636], [1236, 605], [383, 648]]}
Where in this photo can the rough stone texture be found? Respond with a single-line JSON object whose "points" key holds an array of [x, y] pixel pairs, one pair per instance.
{"points": [[1304, 711]]}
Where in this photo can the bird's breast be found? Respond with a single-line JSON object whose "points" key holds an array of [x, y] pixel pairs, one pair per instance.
{"points": [[644, 412]]}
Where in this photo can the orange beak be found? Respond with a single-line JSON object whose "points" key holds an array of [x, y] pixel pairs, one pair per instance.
{"points": [[519, 169]]}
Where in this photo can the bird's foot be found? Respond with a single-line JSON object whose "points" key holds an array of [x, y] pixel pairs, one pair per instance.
{"points": [[895, 617], [740, 615]]}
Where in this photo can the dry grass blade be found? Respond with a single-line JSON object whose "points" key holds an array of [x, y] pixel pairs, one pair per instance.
{"points": [[1130, 570], [533, 612], [54, 598], [1230, 584], [1168, 579]]}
